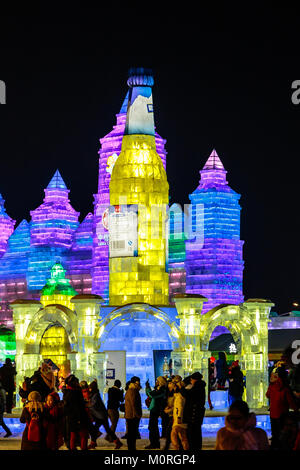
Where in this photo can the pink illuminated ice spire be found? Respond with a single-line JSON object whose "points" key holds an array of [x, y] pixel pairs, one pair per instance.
{"points": [[213, 174], [213, 162]]}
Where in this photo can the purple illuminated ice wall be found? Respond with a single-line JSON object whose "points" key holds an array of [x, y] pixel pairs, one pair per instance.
{"points": [[109, 152], [6, 226], [214, 259]]}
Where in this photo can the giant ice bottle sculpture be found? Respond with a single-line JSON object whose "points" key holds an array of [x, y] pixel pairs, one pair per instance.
{"points": [[139, 194]]}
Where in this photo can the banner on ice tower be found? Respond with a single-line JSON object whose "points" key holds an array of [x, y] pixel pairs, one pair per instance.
{"points": [[123, 230]]}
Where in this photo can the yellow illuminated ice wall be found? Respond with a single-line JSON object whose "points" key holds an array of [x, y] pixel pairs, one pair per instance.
{"points": [[139, 194]]}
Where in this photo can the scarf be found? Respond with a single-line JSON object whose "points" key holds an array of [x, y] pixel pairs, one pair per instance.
{"points": [[48, 376]]}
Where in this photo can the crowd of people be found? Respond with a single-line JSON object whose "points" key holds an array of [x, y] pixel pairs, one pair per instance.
{"points": [[76, 418], [73, 420]]}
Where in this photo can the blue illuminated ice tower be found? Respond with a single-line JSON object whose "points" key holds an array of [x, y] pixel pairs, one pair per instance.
{"points": [[214, 259]]}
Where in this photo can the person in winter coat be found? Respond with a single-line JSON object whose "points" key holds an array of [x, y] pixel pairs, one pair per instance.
{"points": [[7, 377], [2, 409], [76, 419], [115, 398], [289, 432], [42, 381], [222, 370], [157, 404], [236, 383], [212, 376], [133, 411], [194, 409], [179, 436], [33, 437], [294, 381], [100, 417], [169, 412], [53, 421], [240, 431], [281, 400], [86, 396]]}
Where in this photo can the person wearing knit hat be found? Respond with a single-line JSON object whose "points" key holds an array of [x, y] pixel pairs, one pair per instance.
{"points": [[53, 421], [236, 383], [196, 376], [157, 405], [33, 437], [194, 410], [76, 418]]}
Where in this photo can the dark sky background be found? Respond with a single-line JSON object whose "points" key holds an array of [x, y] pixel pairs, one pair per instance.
{"points": [[223, 80]]}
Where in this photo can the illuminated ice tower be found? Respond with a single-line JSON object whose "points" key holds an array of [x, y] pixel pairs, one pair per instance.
{"points": [[214, 259], [52, 228], [139, 194], [110, 149]]}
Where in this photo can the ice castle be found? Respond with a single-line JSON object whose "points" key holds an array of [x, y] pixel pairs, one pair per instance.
{"points": [[210, 263], [138, 275]]}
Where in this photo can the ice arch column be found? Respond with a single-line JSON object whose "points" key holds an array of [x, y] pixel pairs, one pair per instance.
{"points": [[31, 321], [90, 364], [248, 324], [189, 357], [24, 312], [256, 365]]}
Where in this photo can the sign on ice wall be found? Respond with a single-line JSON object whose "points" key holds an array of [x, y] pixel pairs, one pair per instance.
{"points": [[115, 368], [123, 230]]}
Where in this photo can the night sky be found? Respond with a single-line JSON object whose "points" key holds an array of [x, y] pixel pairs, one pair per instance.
{"points": [[222, 80]]}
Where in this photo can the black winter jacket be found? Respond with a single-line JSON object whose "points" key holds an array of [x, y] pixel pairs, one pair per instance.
{"points": [[115, 397], [75, 412], [194, 407]]}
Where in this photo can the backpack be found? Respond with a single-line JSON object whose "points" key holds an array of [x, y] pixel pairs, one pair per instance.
{"points": [[34, 429]]}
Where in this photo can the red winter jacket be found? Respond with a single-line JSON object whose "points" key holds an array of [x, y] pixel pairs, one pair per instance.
{"points": [[281, 399]]}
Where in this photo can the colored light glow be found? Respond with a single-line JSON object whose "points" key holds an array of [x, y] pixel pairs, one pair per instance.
{"points": [[58, 289]]}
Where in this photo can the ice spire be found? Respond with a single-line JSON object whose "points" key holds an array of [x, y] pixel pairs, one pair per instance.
{"points": [[57, 182], [213, 174], [213, 162]]}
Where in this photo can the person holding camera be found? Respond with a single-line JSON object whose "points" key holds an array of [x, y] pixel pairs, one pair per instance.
{"points": [[157, 405]]}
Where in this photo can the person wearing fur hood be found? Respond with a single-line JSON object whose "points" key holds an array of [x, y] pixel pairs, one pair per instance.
{"points": [[240, 431]]}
